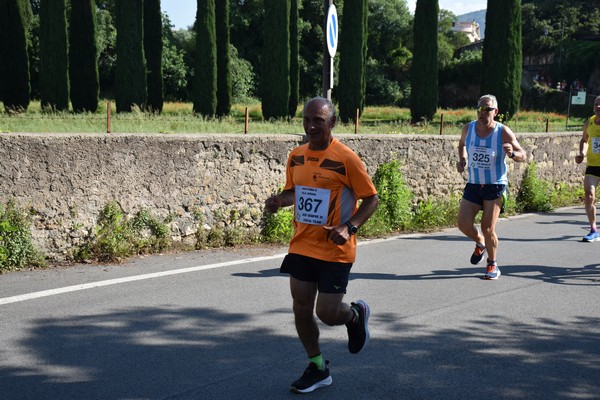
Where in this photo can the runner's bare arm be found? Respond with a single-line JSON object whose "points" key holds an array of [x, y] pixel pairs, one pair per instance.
{"points": [[283, 199], [582, 143]]}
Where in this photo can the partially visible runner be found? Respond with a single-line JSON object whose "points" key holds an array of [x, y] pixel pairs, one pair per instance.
{"points": [[324, 181], [591, 132], [483, 147]]}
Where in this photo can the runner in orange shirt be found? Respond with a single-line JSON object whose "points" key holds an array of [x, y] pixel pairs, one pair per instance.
{"points": [[324, 181]]}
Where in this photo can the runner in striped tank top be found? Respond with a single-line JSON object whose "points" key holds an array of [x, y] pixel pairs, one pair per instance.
{"points": [[482, 150]]}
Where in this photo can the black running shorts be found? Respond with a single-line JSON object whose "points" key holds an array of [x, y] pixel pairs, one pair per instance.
{"points": [[478, 193], [332, 277], [594, 171]]}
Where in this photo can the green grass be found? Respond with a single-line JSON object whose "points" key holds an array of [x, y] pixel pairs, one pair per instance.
{"points": [[179, 118]]}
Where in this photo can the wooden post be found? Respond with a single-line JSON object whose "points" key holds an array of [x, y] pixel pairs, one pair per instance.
{"points": [[356, 122], [108, 117], [246, 122], [442, 125], [547, 125]]}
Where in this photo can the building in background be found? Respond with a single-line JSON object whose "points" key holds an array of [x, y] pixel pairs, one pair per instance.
{"points": [[471, 29]]}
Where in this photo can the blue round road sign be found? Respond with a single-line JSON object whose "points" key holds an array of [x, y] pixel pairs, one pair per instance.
{"points": [[331, 30]]}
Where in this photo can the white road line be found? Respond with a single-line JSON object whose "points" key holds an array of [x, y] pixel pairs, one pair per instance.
{"points": [[92, 285]]}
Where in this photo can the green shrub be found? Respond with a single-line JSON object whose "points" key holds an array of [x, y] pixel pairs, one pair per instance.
{"points": [[118, 237], [216, 238], [16, 245], [435, 214], [151, 235], [230, 228], [564, 195], [278, 227], [381, 89], [534, 194], [395, 201], [113, 237], [510, 207]]}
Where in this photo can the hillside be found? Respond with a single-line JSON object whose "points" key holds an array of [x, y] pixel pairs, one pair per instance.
{"points": [[477, 16]]}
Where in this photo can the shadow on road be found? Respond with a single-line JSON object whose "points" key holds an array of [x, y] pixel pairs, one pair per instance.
{"points": [[206, 354], [586, 275]]}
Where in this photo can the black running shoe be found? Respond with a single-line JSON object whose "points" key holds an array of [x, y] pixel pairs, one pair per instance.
{"points": [[358, 332], [312, 378], [477, 255]]}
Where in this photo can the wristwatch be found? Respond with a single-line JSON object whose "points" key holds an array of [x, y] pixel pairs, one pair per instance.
{"points": [[512, 154], [351, 228]]}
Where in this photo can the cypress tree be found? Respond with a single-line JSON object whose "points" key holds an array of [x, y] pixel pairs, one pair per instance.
{"points": [[502, 55], [424, 70], [223, 59], [14, 59], [54, 57], [153, 45], [205, 92], [130, 71], [276, 60], [83, 53], [353, 59], [294, 59]]}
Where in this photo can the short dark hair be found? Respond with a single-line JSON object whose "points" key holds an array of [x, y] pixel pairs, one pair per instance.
{"points": [[326, 101]]}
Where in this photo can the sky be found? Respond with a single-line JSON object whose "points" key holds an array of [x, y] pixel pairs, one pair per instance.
{"points": [[183, 12]]}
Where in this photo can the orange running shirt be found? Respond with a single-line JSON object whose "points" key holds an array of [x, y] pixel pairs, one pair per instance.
{"points": [[327, 185]]}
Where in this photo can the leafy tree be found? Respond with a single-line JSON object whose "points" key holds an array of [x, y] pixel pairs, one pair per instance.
{"points": [[177, 56], [83, 50], [131, 89], [247, 27], [381, 90], [153, 48], [275, 93], [54, 58], [33, 45], [424, 73], [109, 5], [312, 21], [107, 51], [459, 80], [174, 68], [246, 34], [353, 59], [183, 43], [539, 36], [502, 55], [556, 27], [242, 78], [205, 91], [223, 58], [448, 40], [389, 33], [174, 74], [389, 56], [547, 24], [14, 67], [294, 60]]}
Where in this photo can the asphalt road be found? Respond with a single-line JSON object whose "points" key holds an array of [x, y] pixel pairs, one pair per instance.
{"points": [[218, 324]]}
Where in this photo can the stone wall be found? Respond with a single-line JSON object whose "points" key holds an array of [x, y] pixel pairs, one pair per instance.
{"points": [[67, 179]]}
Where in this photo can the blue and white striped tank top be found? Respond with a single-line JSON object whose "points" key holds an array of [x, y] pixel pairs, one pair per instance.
{"points": [[487, 161]]}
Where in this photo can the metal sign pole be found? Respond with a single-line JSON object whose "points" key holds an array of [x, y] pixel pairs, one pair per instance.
{"points": [[569, 109]]}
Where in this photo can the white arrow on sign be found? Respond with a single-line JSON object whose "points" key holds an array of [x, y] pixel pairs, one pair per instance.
{"points": [[332, 30]]}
